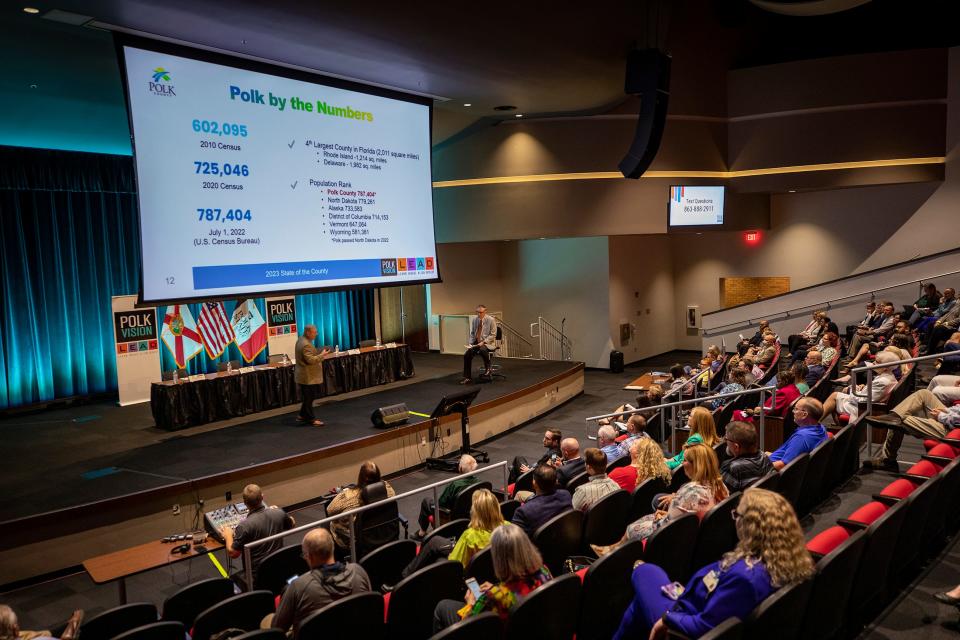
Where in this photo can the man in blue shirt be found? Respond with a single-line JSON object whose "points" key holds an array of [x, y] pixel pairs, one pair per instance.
{"points": [[607, 442], [548, 502], [809, 434]]}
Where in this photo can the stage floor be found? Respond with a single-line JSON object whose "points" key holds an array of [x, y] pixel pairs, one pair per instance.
{"points": [[70, 457]]}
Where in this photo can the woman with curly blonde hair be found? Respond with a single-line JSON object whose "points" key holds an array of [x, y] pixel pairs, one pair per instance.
{"points": [[770, 554], [646, 461], [702, 430]]}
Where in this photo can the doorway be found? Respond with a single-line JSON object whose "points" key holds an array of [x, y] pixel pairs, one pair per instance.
{"points": [[403, 316]]}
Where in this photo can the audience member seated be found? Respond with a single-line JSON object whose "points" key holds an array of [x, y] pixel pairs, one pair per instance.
{"points": [[770, 554], [951, 364], [800, 373], [828, 346], [848, 401], [767, 351], [925, 305], [946, 388], [699, 495], [753, 341], [571, 464], [548, 500], [872, 320], [635, 431], [779, 403], [518, 567], [808, 435], [327, 581], [815, 368], [866, 335], [10, 627], [485, 516], [679, 380], [746, 463], [467, 465], [607, 441], [551, 442], [736, 381], [599, 485], [752, 371], [922, 415], [261, 521], [901, 342], [350, 498], [943, 327], [702, 429], [947, 303], [646, 461], [809, 334]]}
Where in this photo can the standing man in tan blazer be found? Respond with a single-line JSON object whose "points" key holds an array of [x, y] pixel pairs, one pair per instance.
{"points": [[308, 373]]}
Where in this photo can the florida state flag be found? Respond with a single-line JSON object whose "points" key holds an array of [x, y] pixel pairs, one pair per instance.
{"points": [[249, 330], [180, 334]]}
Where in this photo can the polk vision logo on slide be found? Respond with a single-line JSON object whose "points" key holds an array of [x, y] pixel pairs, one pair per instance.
{"points": [[388, 266], [160, 83]]}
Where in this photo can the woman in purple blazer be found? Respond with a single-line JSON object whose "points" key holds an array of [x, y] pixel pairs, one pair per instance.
{"points": [[770, 554]]}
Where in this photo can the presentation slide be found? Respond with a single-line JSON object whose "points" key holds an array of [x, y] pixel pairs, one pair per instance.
{"points": [[255, 183], [696, 206]]}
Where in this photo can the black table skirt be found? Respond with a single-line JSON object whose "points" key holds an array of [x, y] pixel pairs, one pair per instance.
{"points": [[224, 397]]}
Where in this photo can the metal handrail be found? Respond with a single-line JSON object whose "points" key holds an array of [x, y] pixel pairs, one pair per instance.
{"points": [[762, 391], [247, 559], [784, 315], [509, 347], [556, 340], [870, 368]]}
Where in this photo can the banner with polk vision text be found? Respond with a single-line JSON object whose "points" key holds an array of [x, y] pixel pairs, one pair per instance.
{"points": [[136, 340], [282, 331]]}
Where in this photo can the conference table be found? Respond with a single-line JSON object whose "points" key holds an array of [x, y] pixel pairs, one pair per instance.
{"points": [[211, 397], [120, 565], [647, 380]]}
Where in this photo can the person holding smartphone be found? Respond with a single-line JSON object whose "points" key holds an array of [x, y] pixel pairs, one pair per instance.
{"points": [[520, 570], [770, 554]]}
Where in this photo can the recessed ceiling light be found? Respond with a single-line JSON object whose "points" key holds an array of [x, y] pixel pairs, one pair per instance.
{"points": [[31, 10], [467, 104], [519, 115], [33, 86], [792, 191]]}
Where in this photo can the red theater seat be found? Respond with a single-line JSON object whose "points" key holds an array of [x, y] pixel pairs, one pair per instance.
{"points": [[386, 606], [622, 438], [943, 451], [930, 444], [581, 573], [826, 541], [843, 419], [899, 489], [924, 468], [868, 513]]}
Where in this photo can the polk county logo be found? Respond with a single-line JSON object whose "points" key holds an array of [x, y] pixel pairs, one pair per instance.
{"points": [[159, 85]]}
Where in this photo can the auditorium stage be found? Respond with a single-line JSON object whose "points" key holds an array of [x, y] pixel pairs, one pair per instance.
{"points": [[72, 471]]}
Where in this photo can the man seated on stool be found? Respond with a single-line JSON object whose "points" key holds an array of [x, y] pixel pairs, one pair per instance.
{"points": [[483, 341], [325, 583], [261, 521]]}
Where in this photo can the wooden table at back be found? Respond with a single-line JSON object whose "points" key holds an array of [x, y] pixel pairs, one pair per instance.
{"points": [[647, 380], [120, 565]]}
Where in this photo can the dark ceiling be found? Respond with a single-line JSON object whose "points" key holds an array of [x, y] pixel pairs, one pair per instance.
{"points": [[545, 58]]}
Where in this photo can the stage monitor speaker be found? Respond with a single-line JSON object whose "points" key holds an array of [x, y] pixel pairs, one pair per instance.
{"points": [[389, 416], [648, 76]]}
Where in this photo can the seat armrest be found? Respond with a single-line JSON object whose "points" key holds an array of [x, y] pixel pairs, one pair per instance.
{"points": [[890, 500], [940, 460], [912, 477], [851, 524]]}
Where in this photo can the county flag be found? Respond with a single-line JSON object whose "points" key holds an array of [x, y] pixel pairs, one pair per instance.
{"points": [[180, 334], [249, 330], [214, 328]]}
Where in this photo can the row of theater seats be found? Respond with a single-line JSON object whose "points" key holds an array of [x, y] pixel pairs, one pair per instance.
{"points": [[681, 547]]}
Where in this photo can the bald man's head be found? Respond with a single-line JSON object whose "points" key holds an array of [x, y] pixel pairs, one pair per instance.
{"points": [[317, 547], [570, 448]]}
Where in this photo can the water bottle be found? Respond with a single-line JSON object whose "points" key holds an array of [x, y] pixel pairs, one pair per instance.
{"points": [[338, 349], [286, 359], [176, 376], [378, 343], [229, 366]]}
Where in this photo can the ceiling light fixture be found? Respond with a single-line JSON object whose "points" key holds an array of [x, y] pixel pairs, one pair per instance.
{"points": [[467, 104], [519, 115], [792, 191], [31, 10]]}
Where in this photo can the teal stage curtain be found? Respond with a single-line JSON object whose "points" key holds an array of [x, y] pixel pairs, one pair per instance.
{"points": [[68, 243]]}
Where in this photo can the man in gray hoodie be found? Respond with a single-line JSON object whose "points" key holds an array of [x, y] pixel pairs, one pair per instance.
{"points": [[326, 582]]}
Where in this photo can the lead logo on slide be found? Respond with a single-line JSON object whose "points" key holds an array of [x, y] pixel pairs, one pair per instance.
{"points": [[160, 83]]}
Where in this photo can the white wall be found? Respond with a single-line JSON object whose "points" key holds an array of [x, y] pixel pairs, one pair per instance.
{"points": [[561, 278]]}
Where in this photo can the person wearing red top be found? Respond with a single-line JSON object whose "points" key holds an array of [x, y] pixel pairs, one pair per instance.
{"points": [[646, 461], [786, 393]]}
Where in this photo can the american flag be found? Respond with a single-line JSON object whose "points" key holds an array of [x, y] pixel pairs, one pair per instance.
{"points": [[214, 327]]}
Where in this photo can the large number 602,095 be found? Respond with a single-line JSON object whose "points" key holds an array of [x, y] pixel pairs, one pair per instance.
{"points": [[220, 128]]}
